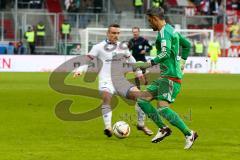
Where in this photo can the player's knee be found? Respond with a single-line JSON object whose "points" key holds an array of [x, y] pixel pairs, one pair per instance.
{"points": [[133, 93], [146, 96], [162, 104], [106, 101], [106, 97]]}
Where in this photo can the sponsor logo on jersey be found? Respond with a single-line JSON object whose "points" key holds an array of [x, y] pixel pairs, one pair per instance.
{"points": [[163, 43]]}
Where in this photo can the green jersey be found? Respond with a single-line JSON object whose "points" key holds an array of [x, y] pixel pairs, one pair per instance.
{"points": [[168, 44]]}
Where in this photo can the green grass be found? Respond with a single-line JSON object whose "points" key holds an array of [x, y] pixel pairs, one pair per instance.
{"points": [[30, 130]]}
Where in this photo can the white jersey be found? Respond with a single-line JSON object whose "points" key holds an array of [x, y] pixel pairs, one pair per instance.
{"points": [[105, 52]]}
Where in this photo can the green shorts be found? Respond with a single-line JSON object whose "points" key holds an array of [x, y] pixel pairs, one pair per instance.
{"points": [[164, 89]]}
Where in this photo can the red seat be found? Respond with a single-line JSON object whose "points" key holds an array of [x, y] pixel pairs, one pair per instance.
{"points": [[8, 28], [172, 2], [218, 28], [54, 6]]}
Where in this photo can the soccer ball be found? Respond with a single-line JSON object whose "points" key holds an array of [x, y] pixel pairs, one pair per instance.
{"points": [[121, 129]]}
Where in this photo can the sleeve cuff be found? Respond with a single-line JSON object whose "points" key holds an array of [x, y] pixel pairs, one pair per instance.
{"points": [[153, 62]]}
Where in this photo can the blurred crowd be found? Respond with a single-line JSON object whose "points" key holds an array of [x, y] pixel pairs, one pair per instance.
{"points": [[83, 6], [32, 4], [215, 7], [81, 10]]}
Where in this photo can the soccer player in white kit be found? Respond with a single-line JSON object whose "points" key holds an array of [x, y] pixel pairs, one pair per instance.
{"points": [[105, 51]]}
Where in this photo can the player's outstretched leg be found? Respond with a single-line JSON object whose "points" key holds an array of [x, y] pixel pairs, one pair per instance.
{"points": [[161, 134], [152, 113], [190, 140], [140, 121], [107, 119], [176, 121], [107, 112]]}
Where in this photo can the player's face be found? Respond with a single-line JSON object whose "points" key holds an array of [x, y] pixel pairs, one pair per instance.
{"points": [[135, 33], [113, 34], [153, 22]]}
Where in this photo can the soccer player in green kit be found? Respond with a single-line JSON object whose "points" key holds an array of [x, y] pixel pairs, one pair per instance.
{"points": [[167, 86]]}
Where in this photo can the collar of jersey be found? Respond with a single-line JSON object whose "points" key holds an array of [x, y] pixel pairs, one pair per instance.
{"points": [[108, 42], [162, 28]]}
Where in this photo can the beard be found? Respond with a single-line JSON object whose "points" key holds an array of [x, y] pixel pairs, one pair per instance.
{"points": [[154, 28]]}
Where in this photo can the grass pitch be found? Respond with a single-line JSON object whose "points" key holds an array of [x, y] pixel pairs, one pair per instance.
{"points": [[30, 130]]}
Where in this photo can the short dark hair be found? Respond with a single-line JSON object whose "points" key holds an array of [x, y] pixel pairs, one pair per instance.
{"points": [[136, 28], [115, 25], [156, 11]]}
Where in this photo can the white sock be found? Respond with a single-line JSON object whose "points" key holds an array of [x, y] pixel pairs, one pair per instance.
{"points": [[140, 115], [107, 116]]}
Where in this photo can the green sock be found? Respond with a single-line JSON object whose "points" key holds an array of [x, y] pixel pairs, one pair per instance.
{"points": [[174, 119], [151, 112]]}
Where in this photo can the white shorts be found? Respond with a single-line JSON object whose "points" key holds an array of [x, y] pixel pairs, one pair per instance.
{"points": [[106, 86], [139, 73]]}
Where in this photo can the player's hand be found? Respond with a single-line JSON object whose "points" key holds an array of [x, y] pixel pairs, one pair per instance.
{"points": [[142, 52], [182, 64], [76, 74]]}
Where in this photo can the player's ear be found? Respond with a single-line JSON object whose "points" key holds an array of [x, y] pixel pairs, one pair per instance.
{"points": [[107, 32]]}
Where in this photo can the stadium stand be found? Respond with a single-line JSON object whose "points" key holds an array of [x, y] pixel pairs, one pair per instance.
{"points": [[54, 6], [31, 4], [8, 27], [92, 13]]}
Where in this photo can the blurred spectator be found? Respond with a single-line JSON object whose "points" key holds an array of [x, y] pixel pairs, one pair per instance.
{"points": [[20, 48], [225, 43], [138, 4], [67, 4], [214, 51], [35, 4], [78, 2], [85, 8], [190, 11], [97, 4], [198, 48], [214, 7], [40, 34], [220, 13], [205, 7], [157, 3], [233, 5], [10, 48], [77, 50], [73, 9], [65, 30], [30, 37], [234, 30], [3, 50]]}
